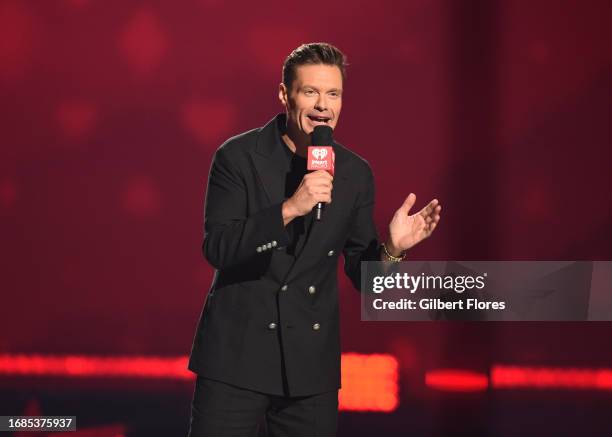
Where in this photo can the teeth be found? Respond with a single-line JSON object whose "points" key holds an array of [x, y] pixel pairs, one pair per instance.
{"points": [[321, 119]]}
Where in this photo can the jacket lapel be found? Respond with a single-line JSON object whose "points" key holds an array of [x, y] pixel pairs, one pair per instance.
{"points": [[270, 161]]}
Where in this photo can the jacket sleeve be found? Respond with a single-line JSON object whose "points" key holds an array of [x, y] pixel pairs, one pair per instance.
{"points": [[230, 237], [362, 243]]}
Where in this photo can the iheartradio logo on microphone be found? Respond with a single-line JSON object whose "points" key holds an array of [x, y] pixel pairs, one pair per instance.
{"points": [[321, 158]]}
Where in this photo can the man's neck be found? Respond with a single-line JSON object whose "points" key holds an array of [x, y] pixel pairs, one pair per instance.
{"points": [[292, 138]]}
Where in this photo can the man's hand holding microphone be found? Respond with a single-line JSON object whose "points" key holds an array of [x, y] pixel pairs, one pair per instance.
{"points": [[316, 187]]}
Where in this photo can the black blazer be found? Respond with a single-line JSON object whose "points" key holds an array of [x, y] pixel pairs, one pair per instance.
{"points": [[267, 311]]}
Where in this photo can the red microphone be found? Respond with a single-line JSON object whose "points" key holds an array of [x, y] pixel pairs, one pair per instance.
{"points": [[321, 156]]}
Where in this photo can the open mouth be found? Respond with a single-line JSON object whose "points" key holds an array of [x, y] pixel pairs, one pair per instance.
{"points": [[318, 119]]}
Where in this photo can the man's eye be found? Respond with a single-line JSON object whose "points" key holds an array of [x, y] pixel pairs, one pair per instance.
{"points": [[309, 92]]}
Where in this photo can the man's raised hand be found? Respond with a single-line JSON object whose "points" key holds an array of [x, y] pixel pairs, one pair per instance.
{"points": [[406, 230]]}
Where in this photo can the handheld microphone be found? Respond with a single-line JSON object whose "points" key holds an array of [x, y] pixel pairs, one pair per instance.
{"points": [[321, 157]]}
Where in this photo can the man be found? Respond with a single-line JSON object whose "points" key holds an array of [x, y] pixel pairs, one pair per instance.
{"points": [[268, 344]]}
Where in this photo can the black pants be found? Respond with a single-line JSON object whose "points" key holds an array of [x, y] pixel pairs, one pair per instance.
{"points": [[223, 410]]}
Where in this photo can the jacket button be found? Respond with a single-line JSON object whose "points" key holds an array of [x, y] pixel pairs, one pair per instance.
{"points": [[312, 289], [284, 287], [274, 243], [269, 246], [272, 325], [316, 326], [330, 253], [259, 249]]}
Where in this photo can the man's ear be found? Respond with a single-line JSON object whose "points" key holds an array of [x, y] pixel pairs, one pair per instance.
{"points": [[282, 94]]}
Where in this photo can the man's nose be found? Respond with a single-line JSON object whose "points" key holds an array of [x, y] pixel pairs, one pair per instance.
{"points": [[321, 104]]}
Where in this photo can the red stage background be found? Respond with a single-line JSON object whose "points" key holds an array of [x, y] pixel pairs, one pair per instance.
{"points": [[111, 111]]}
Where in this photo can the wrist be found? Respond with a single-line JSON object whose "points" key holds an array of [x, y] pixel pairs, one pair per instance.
{"points": [[393, 250], [388, 255], [288, 211]]}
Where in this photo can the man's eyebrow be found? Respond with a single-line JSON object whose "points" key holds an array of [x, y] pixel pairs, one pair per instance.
{"points": [[316, 89]]}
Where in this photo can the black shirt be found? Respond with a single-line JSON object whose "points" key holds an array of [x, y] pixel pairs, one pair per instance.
{"points": [[299, 227]]}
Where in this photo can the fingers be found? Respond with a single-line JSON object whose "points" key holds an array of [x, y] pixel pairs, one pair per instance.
{"points": [[431, 209], [323, 187], [321, 196], [432, 221], [326, 198], [408, 203], [431, 228], [315, 187], [433, 215], [428, 213], [431, 206], [327, 185], [319, 174], [430, 216], [319, 179], [319, 185]]}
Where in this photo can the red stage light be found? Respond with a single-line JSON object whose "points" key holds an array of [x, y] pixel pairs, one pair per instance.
{"points": [[456, 380], [513, 377], [369, 382]]}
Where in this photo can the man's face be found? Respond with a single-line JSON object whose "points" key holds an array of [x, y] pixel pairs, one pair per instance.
{"points": [[315, 97]]}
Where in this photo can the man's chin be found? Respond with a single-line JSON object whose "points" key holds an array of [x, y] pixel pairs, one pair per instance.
{"points": [[307, 129]]}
